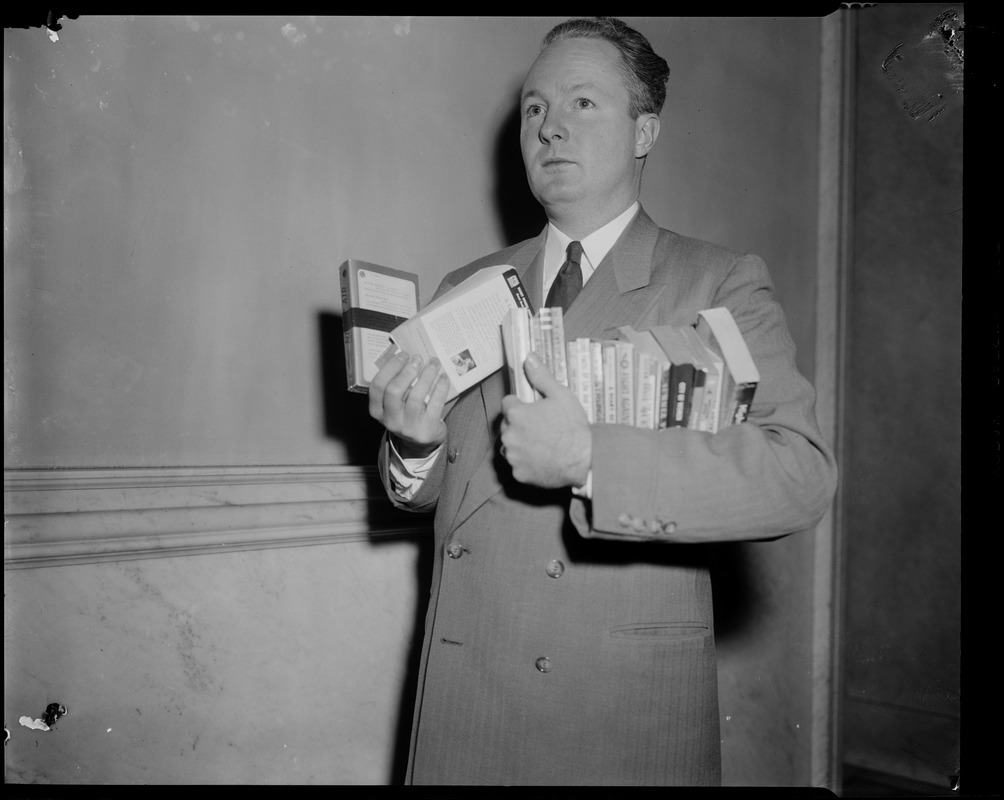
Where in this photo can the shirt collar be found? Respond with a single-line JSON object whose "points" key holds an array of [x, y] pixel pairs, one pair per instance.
{"points": [[595, 246]]}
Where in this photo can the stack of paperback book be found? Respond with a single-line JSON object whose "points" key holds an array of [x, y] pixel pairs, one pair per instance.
{"points": [[700, 377]]}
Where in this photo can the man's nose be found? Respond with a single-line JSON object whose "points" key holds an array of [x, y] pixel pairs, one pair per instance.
{"points": [[553, 127]]}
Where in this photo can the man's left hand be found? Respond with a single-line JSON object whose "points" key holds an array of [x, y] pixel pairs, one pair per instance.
{"points": [[547, 443]]}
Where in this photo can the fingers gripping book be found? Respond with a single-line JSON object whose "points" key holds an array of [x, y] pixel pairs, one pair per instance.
{"points": [[462, 328]]}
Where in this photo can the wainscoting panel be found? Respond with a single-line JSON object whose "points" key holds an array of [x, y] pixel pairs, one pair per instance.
{"points": [[56, 517], [252, 660]]}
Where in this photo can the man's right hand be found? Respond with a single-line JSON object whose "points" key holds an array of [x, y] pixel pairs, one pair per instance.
{"points": [[408, 399]]}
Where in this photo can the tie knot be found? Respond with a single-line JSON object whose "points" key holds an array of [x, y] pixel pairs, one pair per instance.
{"points": [[574, 252]]}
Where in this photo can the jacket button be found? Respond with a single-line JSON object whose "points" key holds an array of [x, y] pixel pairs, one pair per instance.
{"points": [[639, 525], [455, 550], [668, 528], [451, 455], [543, 664], [555, 568], [625, 520]]}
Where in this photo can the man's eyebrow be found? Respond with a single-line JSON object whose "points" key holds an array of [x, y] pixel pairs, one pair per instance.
{"points": [[529, 93], [564, 89]]}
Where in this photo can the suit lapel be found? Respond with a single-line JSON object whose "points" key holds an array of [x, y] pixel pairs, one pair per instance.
{"points": [[611, 295], [480, 436], [484, 481]]}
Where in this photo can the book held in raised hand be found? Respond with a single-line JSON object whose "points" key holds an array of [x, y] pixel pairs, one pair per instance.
{"points": [[462, 327], [375, 300]]}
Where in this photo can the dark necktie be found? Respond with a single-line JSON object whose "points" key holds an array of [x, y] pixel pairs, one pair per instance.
{"points": [[568, 281]]}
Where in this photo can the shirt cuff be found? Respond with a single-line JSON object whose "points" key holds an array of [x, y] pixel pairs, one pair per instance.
{"points": [[408, 474]]}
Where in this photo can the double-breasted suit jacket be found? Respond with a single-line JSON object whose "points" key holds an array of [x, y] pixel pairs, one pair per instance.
{"points": [[571, 641]]}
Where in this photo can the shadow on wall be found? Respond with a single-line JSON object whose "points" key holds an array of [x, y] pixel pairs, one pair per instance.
{"points": [[346, 414], [347, 419], [737, 604], [519, 214], [409, 685]]}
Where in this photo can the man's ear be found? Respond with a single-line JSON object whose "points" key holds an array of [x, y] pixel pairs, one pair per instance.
{"points": [[646, 132]]}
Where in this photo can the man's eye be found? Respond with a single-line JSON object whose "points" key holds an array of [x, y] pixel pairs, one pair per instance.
{"points": [[582, 102], [533, 111]]}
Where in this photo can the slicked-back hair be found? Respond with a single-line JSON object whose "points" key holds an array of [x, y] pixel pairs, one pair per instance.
{"points": [[645, 72]]}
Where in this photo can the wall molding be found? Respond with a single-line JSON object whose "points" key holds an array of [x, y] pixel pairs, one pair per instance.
{"points": [[836, 114], [59, 517]]}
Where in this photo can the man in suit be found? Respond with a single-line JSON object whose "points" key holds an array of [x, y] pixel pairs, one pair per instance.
{"points": [[569, 637]]}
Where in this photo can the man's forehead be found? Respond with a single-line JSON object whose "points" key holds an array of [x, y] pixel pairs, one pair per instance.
{"points": [[575, 64]]}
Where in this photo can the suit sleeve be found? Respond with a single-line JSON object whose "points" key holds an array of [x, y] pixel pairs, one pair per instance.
{"points": [[761, 479], [425, 498]]}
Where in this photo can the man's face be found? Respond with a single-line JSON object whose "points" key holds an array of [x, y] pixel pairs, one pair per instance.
{"points": [[580, 145]]}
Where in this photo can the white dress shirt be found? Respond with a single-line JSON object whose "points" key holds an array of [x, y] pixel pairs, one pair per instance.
{"points": [[407, 474]]}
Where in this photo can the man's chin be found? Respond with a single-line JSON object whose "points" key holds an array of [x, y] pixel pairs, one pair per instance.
{"points": [[556, 195]]}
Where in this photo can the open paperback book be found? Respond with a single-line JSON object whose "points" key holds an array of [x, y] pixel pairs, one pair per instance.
{"points": [[462, 328]]}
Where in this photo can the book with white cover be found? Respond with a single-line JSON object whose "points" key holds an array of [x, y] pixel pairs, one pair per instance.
{"points": [[584, 375], [650, 363], [463, 327], [516, 342], [559, 367], [625, 382], [609, 347]]}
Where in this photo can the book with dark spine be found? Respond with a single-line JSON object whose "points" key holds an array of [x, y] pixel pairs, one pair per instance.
{"points": [[719, 330], [375, 300]]}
